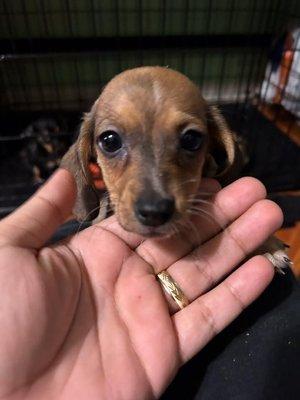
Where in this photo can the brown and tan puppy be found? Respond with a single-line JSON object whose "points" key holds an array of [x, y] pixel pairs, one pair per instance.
{"points": [[154, 137]]}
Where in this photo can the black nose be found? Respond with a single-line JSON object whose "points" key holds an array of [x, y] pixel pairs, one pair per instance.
{"points": [[154, 210]]}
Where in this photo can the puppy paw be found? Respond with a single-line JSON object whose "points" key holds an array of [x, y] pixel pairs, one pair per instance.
{"points": [[275, 251], [280, 260]]}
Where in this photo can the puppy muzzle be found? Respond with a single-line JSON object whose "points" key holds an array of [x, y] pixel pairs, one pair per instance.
{"points": [[151, 209]]}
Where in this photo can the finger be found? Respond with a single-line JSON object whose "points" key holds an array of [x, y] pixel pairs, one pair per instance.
{"points": [[208, 186], [209, 263], [203, 319], [32, 224], [227, 205], [112, 225]]}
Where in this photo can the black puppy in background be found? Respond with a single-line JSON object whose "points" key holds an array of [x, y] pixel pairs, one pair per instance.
{"points": [[44, 149]]}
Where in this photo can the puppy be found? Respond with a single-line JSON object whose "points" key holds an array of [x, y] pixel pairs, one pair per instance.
{"points": [[153, 137], [43, 150]]}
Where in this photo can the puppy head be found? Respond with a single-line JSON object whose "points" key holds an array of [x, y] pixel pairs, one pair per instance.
{"points": [[149, 132]]}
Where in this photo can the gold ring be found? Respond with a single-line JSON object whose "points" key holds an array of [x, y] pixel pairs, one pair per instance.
{"points": [[172, 288]]}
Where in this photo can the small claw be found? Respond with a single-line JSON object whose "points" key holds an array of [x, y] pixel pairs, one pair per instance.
{"points": [[280, 270], [288, 261], [280, 261]]}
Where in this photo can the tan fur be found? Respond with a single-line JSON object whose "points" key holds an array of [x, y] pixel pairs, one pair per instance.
{"points": [[150, 106]]}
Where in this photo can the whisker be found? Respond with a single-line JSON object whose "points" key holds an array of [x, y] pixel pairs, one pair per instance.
{"points": [[86, 217], [205, 193], [105, 196], [188, 226], [209, 202], [196, 202], [173, 230], [198, 214], [202, 213], [188, 181]]}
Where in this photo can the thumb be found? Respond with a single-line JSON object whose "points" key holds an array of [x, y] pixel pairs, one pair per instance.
{"points": [[32, 224]]}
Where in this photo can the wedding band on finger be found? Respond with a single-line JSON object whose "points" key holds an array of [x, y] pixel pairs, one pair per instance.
{"points": [[172, 289]]}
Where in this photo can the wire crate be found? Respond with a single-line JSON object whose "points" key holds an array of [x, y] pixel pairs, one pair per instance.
{"points": [[56, 56]]}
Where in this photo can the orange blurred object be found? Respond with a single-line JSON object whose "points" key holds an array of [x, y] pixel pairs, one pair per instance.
{"points": [[291, 236], [97, 176]]}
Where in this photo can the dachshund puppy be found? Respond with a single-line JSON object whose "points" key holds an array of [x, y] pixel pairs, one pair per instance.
{"points": [[153, 137], [43, 150]]}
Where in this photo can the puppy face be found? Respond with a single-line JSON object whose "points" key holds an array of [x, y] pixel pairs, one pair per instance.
{"points": [[149, 133]]}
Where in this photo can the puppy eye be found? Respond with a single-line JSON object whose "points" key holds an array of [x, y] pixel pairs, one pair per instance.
{"points": [[110, 142], [191, 140]]}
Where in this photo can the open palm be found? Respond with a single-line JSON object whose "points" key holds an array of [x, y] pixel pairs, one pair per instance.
{"points": [[87, 318]]}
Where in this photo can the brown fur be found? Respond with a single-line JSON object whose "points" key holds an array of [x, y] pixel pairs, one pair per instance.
{"points": [[149, 106]]}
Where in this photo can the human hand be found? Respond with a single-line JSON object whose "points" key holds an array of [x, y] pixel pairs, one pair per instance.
{"points": [[87, 319]]}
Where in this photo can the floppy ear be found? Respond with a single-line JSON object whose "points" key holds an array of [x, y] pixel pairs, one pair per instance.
{"points": [[77, 160], [225, 157]]}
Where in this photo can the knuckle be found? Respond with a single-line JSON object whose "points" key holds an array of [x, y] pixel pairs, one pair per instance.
{"points": [[147, 256], [235, 294], [203, 268], [54, 208], [208, 317], [241, 244]]}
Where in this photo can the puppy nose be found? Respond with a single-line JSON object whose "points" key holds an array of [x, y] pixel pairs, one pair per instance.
{"points": [[154, 210]]}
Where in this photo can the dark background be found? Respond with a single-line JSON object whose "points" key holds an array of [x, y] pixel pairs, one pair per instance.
{"points": [[56, 55]]}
